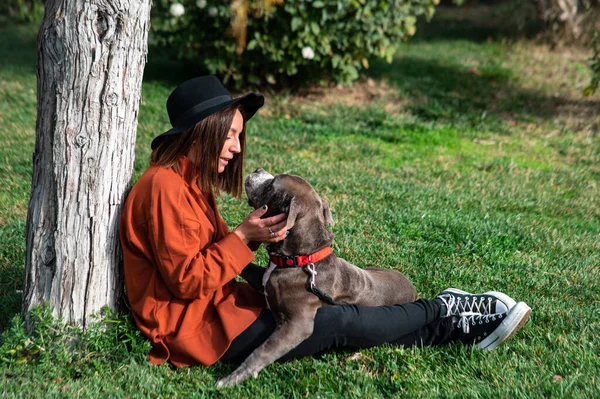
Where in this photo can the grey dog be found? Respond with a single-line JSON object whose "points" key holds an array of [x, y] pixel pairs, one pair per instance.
{"points": [[294, 293]]}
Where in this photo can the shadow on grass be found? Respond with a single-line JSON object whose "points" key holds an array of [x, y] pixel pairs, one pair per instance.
{"points": [[481, 21], [439, 89], [163, 67], [18, 48]]}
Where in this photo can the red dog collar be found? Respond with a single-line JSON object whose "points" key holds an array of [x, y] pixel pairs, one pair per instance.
{"points": [[301, 260]]}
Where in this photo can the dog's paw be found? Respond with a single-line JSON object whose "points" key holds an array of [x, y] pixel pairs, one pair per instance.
{"points": [[234, 378]]}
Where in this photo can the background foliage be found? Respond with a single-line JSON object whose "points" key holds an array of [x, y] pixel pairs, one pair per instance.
{"points": [[568, 21], [28, 11], [288, 44], [595, 65], [293, 43]]}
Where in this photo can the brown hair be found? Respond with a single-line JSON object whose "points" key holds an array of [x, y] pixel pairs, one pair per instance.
{"points": [[208, 137]]}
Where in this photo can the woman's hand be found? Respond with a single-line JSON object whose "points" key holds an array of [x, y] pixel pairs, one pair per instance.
{"points": [[253, 228]]}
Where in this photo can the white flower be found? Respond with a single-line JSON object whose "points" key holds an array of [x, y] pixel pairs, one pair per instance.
{"points": [[177, 10], [212, 11], [308, 53], [201, 4]]}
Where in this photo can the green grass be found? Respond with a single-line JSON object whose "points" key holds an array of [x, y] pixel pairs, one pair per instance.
{"points": [[474, 163]]}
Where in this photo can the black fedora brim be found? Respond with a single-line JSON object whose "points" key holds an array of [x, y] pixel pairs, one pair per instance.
{"points": [[249, 104]]}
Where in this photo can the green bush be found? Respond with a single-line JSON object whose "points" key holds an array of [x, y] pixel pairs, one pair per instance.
{"points": [[287, 44], [25, 11]]}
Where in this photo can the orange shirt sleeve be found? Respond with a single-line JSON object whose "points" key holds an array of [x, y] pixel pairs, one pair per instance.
{"points": [[190, 261]]}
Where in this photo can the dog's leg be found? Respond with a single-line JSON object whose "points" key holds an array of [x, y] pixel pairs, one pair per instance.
{"points": [[284, 339]]}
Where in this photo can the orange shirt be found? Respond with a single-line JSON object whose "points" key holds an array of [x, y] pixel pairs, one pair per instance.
{"points": [[180, 263]]}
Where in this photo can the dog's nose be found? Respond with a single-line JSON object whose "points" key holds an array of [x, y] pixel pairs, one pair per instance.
{"points": [[259, 170]]}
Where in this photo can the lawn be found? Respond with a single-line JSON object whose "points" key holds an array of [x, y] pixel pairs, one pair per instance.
{"points": [[471, 161]]}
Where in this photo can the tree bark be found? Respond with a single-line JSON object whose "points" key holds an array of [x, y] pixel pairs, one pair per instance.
{"points": [[91, 58]]}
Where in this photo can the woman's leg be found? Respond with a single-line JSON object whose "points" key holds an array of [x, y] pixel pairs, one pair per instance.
{"points": [[251, 338], [351, 326]]}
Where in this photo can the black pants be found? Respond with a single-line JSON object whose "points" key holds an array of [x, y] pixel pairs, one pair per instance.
{"points": [[417, 323]]}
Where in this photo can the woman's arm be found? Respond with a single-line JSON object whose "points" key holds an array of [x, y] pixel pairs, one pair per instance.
{"points": [[253, 274], [181, 233]]}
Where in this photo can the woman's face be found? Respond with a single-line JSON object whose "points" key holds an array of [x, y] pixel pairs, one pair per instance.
{"points": [[232, 143]]}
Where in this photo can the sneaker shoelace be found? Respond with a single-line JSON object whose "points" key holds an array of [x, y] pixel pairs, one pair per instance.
{"points": [[481, 305], [472, 319]]}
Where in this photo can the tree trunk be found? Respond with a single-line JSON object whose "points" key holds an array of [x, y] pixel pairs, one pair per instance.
{"points": [[563, 17], [91, 58]]}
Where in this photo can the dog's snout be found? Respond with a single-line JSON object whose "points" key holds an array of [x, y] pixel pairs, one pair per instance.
{"points": [[259, 170]]}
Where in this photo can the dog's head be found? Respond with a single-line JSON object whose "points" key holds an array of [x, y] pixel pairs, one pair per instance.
{"points": [[307, 213]]}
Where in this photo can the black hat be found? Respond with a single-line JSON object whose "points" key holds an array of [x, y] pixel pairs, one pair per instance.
{"points": [[197, 98]]}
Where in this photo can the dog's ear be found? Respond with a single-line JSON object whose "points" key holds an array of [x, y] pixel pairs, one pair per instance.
{"points": [[327, 213], [293, 212]]}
